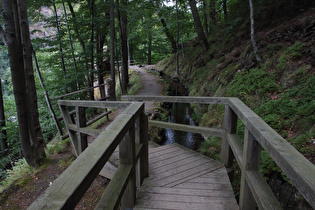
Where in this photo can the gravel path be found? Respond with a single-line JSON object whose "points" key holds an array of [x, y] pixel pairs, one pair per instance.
{"points": [[151, 85]]}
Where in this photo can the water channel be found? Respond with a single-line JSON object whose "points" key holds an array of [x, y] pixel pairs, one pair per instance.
{"points": [[180, 113]]}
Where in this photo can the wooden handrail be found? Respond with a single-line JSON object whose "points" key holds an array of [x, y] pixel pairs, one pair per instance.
{"points": [[294, 165], [130, 131], [67, 190]]}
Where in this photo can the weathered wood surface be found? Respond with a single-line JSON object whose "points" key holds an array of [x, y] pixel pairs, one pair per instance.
{"points": [[183, 179], [178, 99], [95, 104], [294, 165], [187, 128]]}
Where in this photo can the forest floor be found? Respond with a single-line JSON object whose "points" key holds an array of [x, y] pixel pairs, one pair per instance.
{"points": [[22, 194]]}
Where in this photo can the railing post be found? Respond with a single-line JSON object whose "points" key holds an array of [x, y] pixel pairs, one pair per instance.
{"points": [[68, 120], [229, 125], [81, 122], [251, 158], [144, 158], [127, 157]]}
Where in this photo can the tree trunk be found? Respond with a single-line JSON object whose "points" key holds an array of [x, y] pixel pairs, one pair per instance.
{"points": [[205, 16], [80, 39], [252, 31], [200, 32], [19, 49], [3, 133], [169, 36], [100, 40], [63, 65], [224, 10], [71, 46], [213, 14], [124, 45], [52, 112], [149, 48], [112, 93], [91, 73]]}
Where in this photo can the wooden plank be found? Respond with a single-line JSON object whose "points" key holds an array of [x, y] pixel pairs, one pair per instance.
{"points": [[209, 186], [178, 191], [251, 156], [76, 92], [167, 152], [296, 167], [183, 174], [168, 160], [178, 99], [114, 191], [144, 139], [261, 191], [163, 197], [236, 146], [187, 128], [87, 130], [229, 125], [98, 117], [127, 156], [182, 205], [178, 163], [95, 104]]}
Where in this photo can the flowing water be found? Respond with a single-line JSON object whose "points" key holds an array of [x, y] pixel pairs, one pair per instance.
{"points": [[180, 114]]}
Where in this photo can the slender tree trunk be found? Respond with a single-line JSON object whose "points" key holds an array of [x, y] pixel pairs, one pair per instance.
{"points": [[169, 36], [224, 10], [71, 46], [149, 48], [213, 14], [52, 112], [91, 73], [63, 65], [112, 94], [3, 133], [252, 31], [124, 44], [205, 16], [200, 32], [177, 38], [100, 40], [80, 39], [19, 49]]}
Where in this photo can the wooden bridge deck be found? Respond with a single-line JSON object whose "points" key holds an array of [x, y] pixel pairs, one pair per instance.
{"points": [[183, 179]]}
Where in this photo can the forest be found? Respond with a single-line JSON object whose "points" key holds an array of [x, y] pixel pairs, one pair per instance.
{"points": [[260, 51]]}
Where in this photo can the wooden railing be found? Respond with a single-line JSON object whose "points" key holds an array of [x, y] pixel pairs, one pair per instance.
{"points": [[129, 130], [257, 135]]}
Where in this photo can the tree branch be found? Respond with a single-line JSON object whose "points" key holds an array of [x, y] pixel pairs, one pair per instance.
{"points": [[3, 36]]}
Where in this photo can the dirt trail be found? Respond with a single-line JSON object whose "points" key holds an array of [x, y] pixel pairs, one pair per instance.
{"points": [[151, 85]]}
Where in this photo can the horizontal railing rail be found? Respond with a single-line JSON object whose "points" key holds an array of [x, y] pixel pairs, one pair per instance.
{"points": [[258, 135], [129, 131]]}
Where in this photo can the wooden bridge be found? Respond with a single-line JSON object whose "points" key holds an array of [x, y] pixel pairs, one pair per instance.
{"points": [[171, 176]]}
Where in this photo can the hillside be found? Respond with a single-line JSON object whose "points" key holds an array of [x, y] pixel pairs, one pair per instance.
{"points": [[280, 89]]}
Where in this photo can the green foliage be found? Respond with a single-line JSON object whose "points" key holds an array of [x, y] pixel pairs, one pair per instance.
{"points": [[16, 175], [65, 163], [56, 146], [211, 147], [255, 82], [135, 82]]}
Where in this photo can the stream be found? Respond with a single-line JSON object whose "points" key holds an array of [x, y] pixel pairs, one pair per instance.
{"points": [[180, 113]]}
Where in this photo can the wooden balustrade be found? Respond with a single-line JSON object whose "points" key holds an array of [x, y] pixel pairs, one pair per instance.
{"points": [[258, 135], [129, 131]]}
